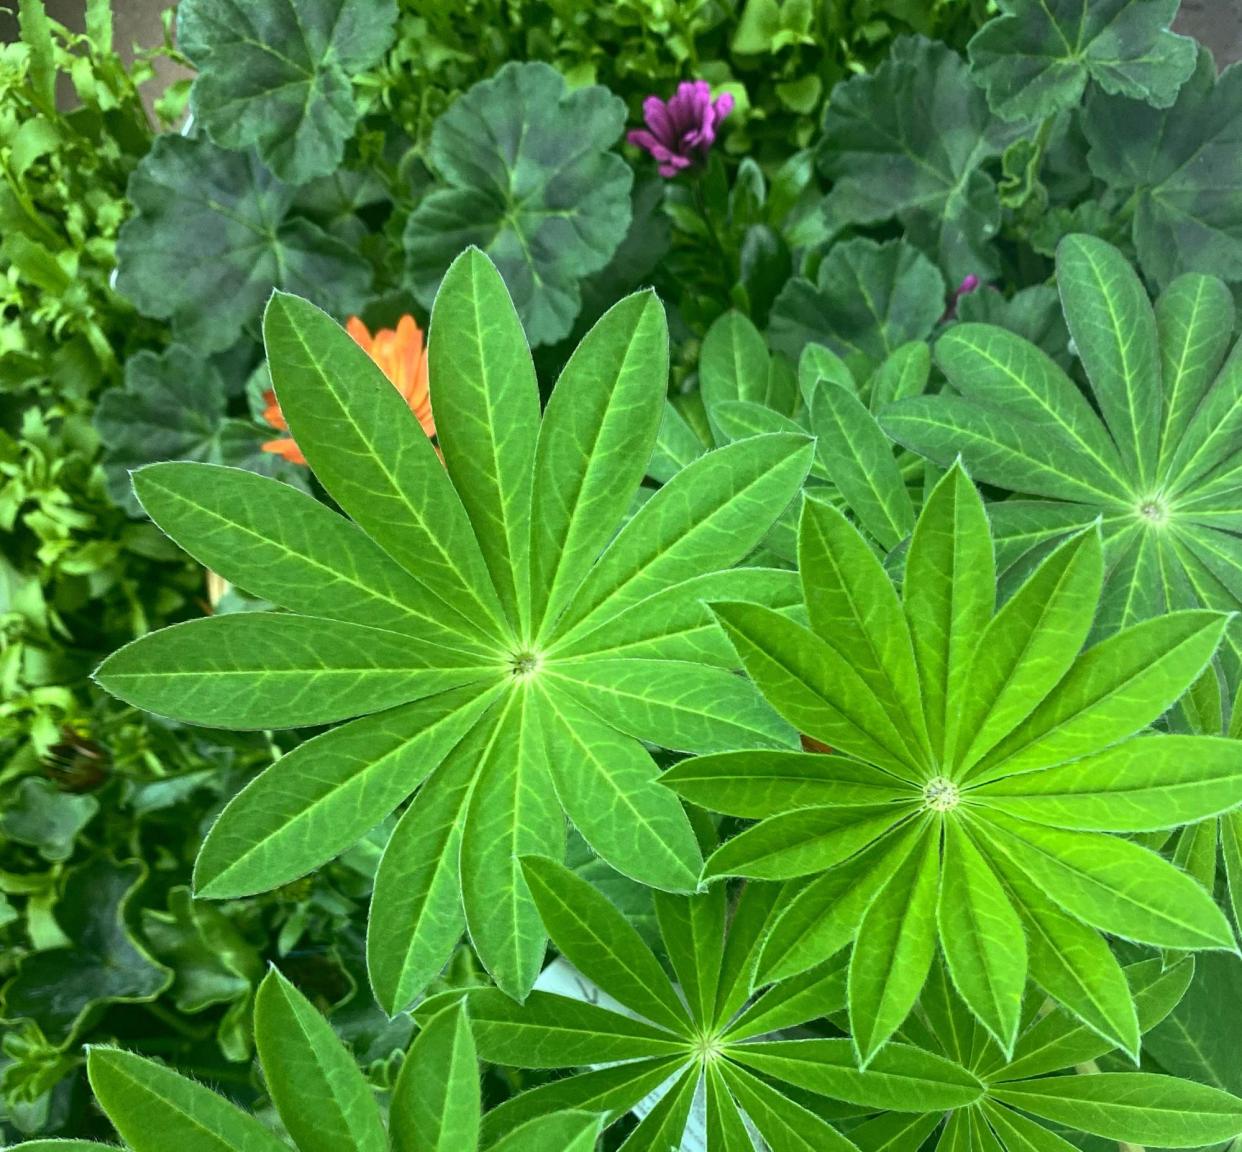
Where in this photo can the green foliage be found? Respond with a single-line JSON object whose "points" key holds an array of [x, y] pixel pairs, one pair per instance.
{"points": [[547, 710], [1155, 465], [323, 1100], [190, 255], [278, 76], [1174, 166], [911, 140], [459, 656], [982, 760], [647, 1035], [529, 180], [1036, 58]]}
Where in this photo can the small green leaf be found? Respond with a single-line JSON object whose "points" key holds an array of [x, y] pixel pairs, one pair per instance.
{"points": [[1131, 1106], [708, 517], [681, 706], [1179, 167], [801, 843], [213, 232], [486, 401], [416, 914], [786, 1125], [285, 546], [324, 1101], [601, 944], [279, 76], [894, 949], [1142, 785], [1113, 884], [155, 1108], [733, 364], [858, 458], [566, 1131], [597, 436], [513, 811], [815, 688], [1114, 331], [1029, 646], [1070, 960], [823, 917], [868, 300], [274, 670], [1195, 316], [1113, 690], [852, 604], [762, 783], [909, 139], [174, 406], [693, 931], [366, 448], [551, 1031], [981, 936], [327, 793], [610, 789], [1003, 371], [900, 1077], [949, 594], [435, 1102], [527, 176]]}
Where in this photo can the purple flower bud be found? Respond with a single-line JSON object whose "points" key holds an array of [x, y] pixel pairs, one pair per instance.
{"points": [[683, 128], [963, 289]]}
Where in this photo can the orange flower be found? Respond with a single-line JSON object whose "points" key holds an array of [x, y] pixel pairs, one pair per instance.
{"points": [[399, 353]]}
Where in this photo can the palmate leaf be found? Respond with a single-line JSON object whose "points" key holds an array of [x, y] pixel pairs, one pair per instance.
{"points": [[527, 176], [981, 758], [1120, 1106], [1180, 163], [322, 1098], [880, 297], [278, 75], [1158, 465], [663, 1041], [910, 140], [213, 233], [1036, 57], [501, 649]]}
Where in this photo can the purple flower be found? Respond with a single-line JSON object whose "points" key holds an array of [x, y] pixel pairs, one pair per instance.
{"points": [[683, 128]]}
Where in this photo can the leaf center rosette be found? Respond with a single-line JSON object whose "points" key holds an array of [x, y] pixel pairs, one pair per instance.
{"points": [[982, 757], [507, 630]]}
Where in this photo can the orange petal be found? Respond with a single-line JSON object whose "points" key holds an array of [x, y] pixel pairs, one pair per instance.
{"points": [[285, 448]]}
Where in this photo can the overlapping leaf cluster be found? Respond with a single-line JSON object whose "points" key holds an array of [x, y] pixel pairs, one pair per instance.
{"points": [[521, 634]]}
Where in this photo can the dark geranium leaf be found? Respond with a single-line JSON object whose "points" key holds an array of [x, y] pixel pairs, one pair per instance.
{"points": [[868, 300], [173, 407], [909, 140], [1183, 166], [1037, 56], [214, 233], [527, 177], [277, 75], [101, 964]]}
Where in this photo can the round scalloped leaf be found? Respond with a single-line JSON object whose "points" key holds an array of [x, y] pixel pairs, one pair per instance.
{"points": [[526, 176], [1182, 166], [277, 75], [212, 236], [174, 407], [868, 300], [1035, 58]]}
